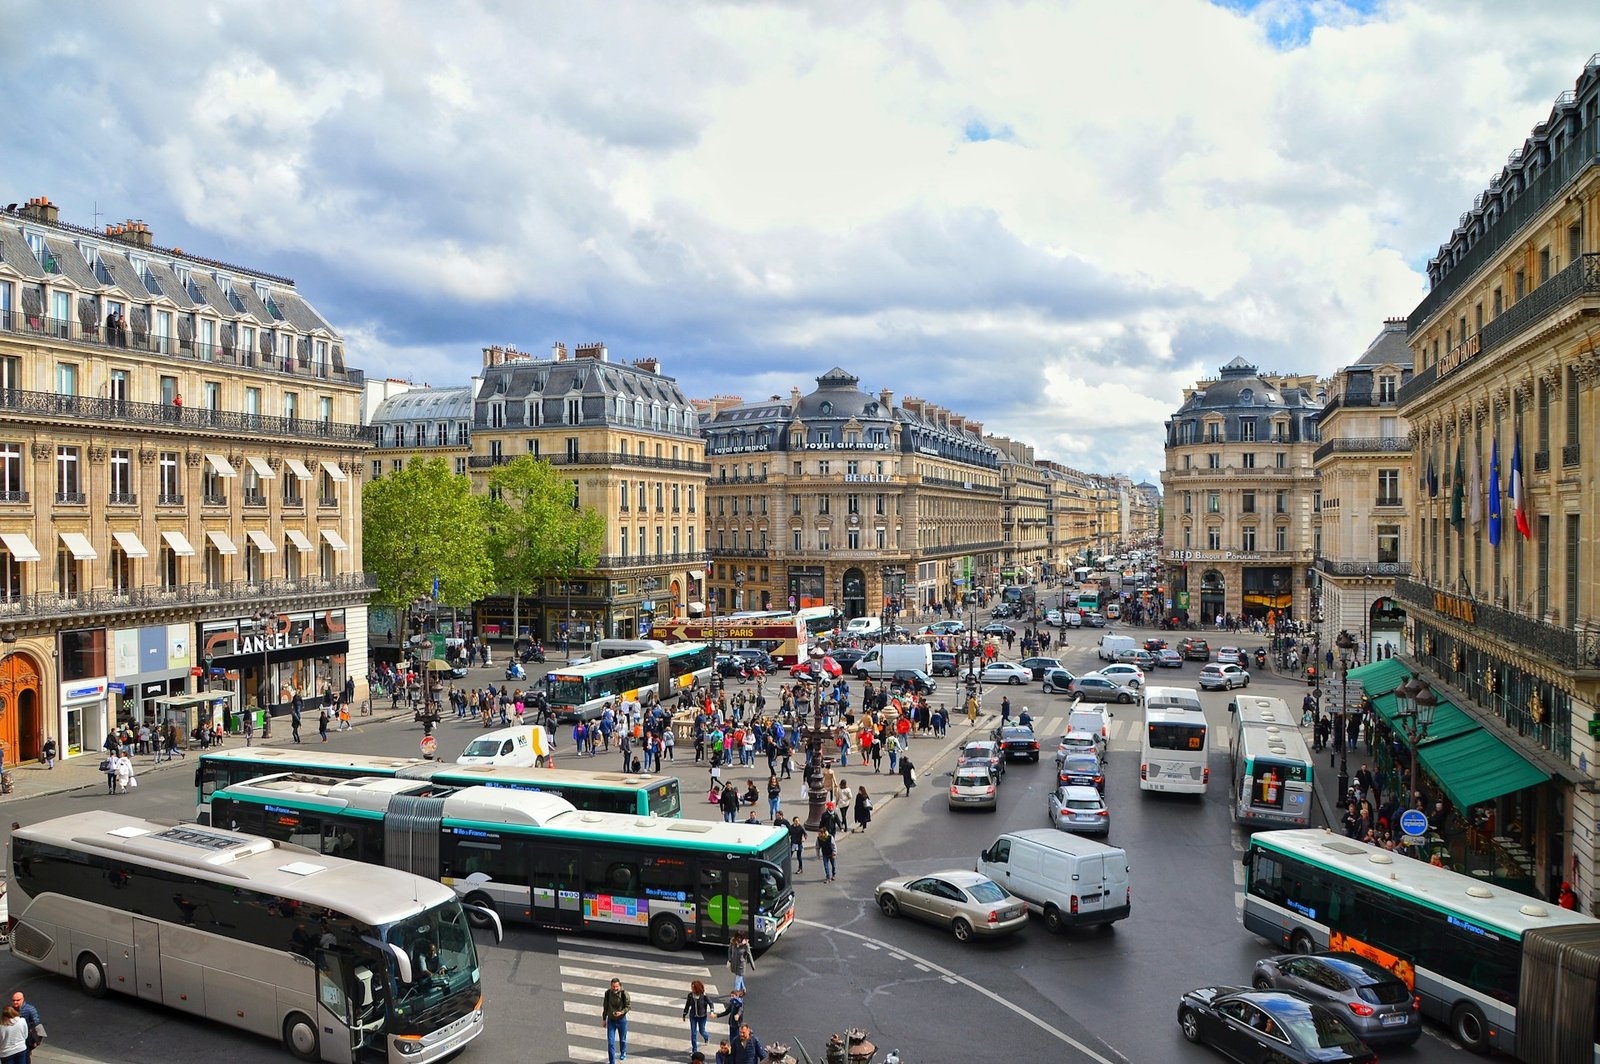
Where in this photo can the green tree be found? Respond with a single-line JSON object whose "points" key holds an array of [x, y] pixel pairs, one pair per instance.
{"points": [[420, 523], [537, 530]]}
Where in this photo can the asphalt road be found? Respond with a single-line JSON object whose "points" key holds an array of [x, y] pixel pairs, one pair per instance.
{"points": [[1092, 996]]}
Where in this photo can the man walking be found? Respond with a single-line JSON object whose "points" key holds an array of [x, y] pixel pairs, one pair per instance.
{"points": [[35, 1024], [614, 1015]]}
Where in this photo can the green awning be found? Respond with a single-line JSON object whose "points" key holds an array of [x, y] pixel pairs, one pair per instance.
{"points": [[1381, 677], [1448, 720], [1475, 766]]}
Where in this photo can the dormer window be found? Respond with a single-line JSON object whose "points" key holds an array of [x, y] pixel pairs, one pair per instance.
{"points": [[1246, 396], [826, 409]]}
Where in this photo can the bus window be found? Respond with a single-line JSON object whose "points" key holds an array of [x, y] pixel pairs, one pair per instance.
{"points": [[665, 800]]}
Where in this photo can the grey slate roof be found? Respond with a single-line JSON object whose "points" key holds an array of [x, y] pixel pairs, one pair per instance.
{"points": [[211, 293], [250, 303], [168, 283], [426, 404], [14, 252], [124, 276], [71, 264], [298, 312], [1389, 347]]}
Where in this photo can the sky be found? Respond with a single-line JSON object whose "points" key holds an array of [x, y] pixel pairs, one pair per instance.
{"points": [[1048, 217]]}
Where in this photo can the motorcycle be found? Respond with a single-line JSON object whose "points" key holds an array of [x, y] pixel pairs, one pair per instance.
{"points": [[515, 671], [1261, 658], [532, 654]]}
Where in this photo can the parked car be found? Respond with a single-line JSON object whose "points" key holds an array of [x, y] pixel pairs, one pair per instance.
{"points": [[1269, 1025], [1123, 673], [1380, 1007], [1081, 770], [968, 903], [1138, 656], [1017, 742], [1219, 677], [1167, 658], [974, 787], [1194, 649], [1230, 656], [1058, 681], [1079, 809], [983, 752], [944, 663], [997, 628], [1005, 672], [1097, 688], [1039, 666]]}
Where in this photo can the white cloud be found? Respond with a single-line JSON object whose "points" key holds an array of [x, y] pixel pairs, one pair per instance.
{"points": [[758, 192]]}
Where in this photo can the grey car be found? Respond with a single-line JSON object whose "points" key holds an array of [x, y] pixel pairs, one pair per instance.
{"points": [[1372, 1001], [1079, 809], [974, 787], [968, 903], [1101, 689]]}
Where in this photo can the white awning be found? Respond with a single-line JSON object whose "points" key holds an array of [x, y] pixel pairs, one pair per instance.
{"points": [[263, 470], [223, 467], [262, 541], [697, 607], [298, 468], [20, 546], [298, 538], [221, 541], [335, 540], [180, 544], [334, 472], [79, 545], [129, 542]]}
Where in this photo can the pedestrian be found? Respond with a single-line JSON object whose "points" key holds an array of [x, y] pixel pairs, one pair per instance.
{"points": [[49, 752], [740, 959], [728, 801], [847, 802], [733, 1009], [108, 765], [797, 843], [614, 1015], [322, 723], [1568, 900], [31, 1017], [249, 726], [774, 796], [908, 773], [863, 810], [13, 1037], [828, 850], [696, 1008], [747, 1048]]}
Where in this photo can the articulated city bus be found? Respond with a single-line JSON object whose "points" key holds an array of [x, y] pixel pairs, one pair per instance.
{"points": [[534, 857], [339, 960], [1502, 970], [581, 692], [1272, 767], [600, 791]]}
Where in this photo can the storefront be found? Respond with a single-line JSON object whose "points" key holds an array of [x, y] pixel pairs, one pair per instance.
{"points": [[149, 663], [272, 659], [85, 718]]}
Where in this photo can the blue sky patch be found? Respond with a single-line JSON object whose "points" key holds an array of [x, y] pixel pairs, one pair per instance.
{"points": [[1289, 23], [978, 130]]}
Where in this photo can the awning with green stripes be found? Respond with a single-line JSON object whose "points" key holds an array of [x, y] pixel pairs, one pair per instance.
{"points": [[1476, 766]]}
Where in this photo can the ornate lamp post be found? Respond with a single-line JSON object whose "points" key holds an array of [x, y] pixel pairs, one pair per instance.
{"points": [[816, 794], [1345, 644], [261, 619], [1417, 706]]}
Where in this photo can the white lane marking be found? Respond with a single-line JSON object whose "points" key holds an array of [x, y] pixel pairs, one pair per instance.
{"points": [[591, 1055], [920, 967], [636, 1017], [633, 962], [985, 991], [948, 979], [602, 977], [654, 1041], [613, 946]]}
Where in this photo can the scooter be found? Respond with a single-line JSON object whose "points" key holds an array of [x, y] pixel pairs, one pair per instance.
{"points": [[1261, 658], [515, 671]]}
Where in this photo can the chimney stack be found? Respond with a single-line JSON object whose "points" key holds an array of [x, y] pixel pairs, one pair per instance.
{"points": [[494, 355], [649, 365], [40, 209], [558, 351], [133, 232], [886, 399], [594, 350]]}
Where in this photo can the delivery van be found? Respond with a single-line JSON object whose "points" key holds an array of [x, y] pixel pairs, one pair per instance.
{"points": [[526, 746], [1112, 645], [885, 658], [1069, 880]]}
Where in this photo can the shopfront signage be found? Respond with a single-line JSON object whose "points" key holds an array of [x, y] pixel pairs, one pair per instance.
{"points": [[259, 643], [86, 690], [1459, 608], [1214, 556], [117, 688], [1463, 352], [868, 478]]}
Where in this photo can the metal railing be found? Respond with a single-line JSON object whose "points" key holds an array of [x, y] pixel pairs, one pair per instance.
{"points": [[71, 498], [122, 498], [1570, 453], [101, 601], [593, 458], [1561, 645], [214, 500], [1348, 567], [1362, 445], [169, 500], [226, 422], [634, 561]]}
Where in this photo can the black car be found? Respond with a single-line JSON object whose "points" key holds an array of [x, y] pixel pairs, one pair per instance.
{"points": [[944, 663], [754, 657], [846, 657], [1269, 1025], [1038, 666], [1017, 743], [914, 680], [996, 628], [1004, 609]]}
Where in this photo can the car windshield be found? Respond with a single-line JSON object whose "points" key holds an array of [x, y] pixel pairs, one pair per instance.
{"points": [[1082, 805], [972, 779], [1317, 1027], [987, 892], [482, 748], [1082, 764], [979, 750]]}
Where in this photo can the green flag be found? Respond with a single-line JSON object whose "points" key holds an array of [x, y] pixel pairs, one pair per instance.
{"points": [[1458, 492]]}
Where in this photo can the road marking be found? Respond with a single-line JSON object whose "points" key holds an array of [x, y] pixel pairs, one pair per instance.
{"points": [[920, 967], [950, 976]]}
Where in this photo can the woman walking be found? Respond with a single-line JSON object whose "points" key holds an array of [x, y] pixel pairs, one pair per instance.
{"points": [[847, 801], [863, 810], [13, 1037], [740, 959], [696, 1008], [908, 773]]}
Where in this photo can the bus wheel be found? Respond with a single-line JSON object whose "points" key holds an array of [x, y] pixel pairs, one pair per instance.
{"points": [[478, 919], [1466, 1024], [91, 976], [300, 1037], [666, 933], [1301, 943]]}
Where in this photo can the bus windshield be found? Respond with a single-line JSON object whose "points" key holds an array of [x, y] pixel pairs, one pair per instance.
{"points": [[1169, 735], [666, 800], [444, 968]]}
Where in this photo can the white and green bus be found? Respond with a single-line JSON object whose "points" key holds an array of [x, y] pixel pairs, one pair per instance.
{"points": [[1502, 970], [533, 857], [582, 692], [340, 961], [1272, 766], [599, 791], [1173, 748]]}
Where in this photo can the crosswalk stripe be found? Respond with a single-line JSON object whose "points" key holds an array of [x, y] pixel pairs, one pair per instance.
{"points": [[636, 1016], [612, 945], [602, 977], [645, 963], [653, 1041], [591, 1055], [669, 1001]]}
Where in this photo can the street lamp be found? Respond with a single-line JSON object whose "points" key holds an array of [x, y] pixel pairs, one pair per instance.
{"points": [[1417, 705], [261, 617], [816, 794], [1346, 644]]}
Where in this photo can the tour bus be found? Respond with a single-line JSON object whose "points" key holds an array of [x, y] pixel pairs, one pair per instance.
{"points": [[616, 648], [600, 791], [582, 692], [534, 857], [1271, 764], [1503, 970], [340, 961], [779, 634], [1173, 749]]}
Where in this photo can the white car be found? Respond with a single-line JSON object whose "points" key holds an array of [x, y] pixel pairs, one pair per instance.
{"points": [[1124, 673], [1052, 617], [1219, 677], [1071, 619], [1006, 672]]}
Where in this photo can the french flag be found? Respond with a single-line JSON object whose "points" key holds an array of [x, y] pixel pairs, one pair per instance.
{"points": [[1519, 490]]}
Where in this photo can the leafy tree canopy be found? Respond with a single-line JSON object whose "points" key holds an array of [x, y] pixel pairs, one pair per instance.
{"points": [[534, 530], [420, 522]]}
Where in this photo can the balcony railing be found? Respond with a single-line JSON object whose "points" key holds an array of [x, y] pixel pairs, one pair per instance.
{"points": [[102, 601], [1348, 567], [1570, 454], [71, 498], [752, 478], [739, 552], [93, 334], [13, 496], [325, 502], [214, 500], [634, 561], [122, 498], [177, 418], [254, 501], [1362, 445], [168, 499], [1389, 500], [964, 485], [1541, 461], [593, 458], [1561, 645]]}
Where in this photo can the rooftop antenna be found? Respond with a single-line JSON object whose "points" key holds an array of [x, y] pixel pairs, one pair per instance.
{"points": [[97, 214]]}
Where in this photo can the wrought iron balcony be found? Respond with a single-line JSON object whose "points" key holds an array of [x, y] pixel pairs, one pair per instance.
{"points": [[1541, 461], [739, 552], [635, 561], [254, 501], [593, 458], [750, 478], [1565, 646], [325, 502], [1570, 454], [13, 496], [103, 601], [71, 498], [122, 498], [169, 500], [99, 409], [214, 500], [1358, 567], [1362, 445]]}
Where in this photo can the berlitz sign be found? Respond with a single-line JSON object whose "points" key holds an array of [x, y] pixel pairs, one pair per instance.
{"points": [[868, 478]]}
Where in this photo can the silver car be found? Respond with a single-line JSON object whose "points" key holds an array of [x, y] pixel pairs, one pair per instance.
{"points": [[1077, 742], [973, 787], [1222, 677], [1372, 1001], [1095, 688], [968, 903], [1079, 809]]}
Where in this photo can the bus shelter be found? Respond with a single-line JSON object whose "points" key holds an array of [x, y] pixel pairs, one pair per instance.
{"points": [[190, 711]]}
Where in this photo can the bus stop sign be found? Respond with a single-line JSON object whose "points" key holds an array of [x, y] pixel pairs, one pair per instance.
{"points": [[1414, 822]]}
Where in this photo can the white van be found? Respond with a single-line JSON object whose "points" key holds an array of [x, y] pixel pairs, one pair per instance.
{"points": [[864, 626], [1070, 881], [1094, 719], [884, 659], [522, 747], [1112, 645]]}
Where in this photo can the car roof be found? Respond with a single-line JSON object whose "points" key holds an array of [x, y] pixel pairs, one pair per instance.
{"points": [[985, 743], [1279, 1003], [1010, 728], [1079, 791], [1354, 967], [961, 877], [1078, 759], [1079, 733]]}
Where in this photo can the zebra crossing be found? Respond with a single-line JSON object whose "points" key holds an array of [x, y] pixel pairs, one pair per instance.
{"points": [[1122, 730], [657, 984]]}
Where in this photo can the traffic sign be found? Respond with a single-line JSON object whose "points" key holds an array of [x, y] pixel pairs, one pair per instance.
{"points": [[1414, 822]]}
